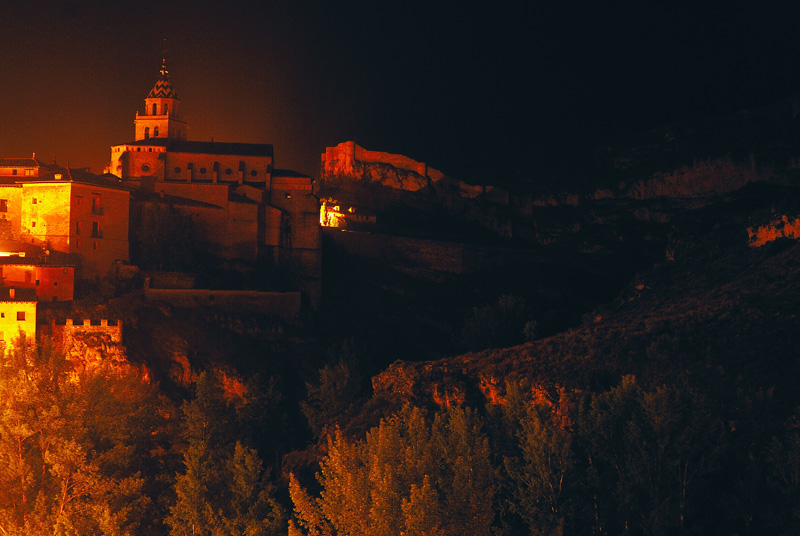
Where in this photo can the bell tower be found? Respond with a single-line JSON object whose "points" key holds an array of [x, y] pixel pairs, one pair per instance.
{"points": [[162, 116]]}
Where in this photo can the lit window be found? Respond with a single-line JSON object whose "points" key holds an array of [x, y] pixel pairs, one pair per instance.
{"points": [[33, 224], [20, 316], [33, 201]]}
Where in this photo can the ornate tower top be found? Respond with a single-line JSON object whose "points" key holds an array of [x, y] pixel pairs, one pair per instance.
{"points": [[163, 89], [162, 117]]}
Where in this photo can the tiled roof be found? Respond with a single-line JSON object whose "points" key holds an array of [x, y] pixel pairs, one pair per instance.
{"points": [[163, 89], [175, 200], [75, 175], [207, 147], [19, 162], [20, 294], [288, 173]]}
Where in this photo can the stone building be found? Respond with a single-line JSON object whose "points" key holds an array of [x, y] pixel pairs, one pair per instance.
{"points": [[17, 314], [241, 206], [70, 216]]}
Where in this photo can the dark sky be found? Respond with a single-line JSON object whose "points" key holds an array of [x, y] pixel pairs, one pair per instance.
{"points": [[473, 89]]}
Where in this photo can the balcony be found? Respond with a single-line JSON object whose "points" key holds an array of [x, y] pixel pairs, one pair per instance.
{"points": [[97, 233]]}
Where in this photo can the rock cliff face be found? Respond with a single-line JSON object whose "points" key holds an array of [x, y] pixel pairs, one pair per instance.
{"points": [[705, 178], [351, 175]]}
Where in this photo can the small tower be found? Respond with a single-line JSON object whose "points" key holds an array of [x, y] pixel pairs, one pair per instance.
{"points": [[162, 116]]}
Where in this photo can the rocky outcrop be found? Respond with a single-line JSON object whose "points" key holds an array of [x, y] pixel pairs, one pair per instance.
{"points": [[701, 179], [783, 227]]}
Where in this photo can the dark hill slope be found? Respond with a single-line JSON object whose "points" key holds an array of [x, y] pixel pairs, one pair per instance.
{"points": [[721, 314]]}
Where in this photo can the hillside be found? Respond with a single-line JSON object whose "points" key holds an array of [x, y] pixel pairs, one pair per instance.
{"points": [[715, 311]]}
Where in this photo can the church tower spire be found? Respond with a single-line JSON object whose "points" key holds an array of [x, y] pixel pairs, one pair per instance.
{"points": [[162, 116]]}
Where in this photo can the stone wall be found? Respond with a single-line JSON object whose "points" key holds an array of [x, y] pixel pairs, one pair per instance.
{"points": [[281, 304]]}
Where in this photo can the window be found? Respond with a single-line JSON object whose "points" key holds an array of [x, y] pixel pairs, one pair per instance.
{"points": [[3, 205], [96, 233], [14, 172], [253, 172], [150, 149], [228, 171], [2, 315], [166, 109], [20, 316], [78, 228], [155, 132], [146, 133], [154, 108], [97, 207], [94, 246], [78, 200], [33, 224], [145, 167], [202, 170], [33, 201], [78, 244]]}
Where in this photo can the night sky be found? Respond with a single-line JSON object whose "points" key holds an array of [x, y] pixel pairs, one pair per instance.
{"points": [[479, 91]]}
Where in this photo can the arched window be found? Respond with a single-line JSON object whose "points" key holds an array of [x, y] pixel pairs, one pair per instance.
{"points": [[166, 109], [154, 108], [155, 132], [146, 132]]}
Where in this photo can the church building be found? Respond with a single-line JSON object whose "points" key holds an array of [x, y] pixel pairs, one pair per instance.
{"points": [[241, 206]]}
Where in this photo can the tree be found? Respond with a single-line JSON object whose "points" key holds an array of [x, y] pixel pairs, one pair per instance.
{"points": [[224, 490], [650, 448], [336, 393], [540, 474], [412, 474], [496, 324], [63, 471]]}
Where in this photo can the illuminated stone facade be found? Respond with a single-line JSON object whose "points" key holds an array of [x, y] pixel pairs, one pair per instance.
{"points": [[51, 282], [17, 314], [68, 212]]}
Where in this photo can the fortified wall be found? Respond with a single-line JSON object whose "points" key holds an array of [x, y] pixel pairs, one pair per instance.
{"points": [[90, 346]]}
